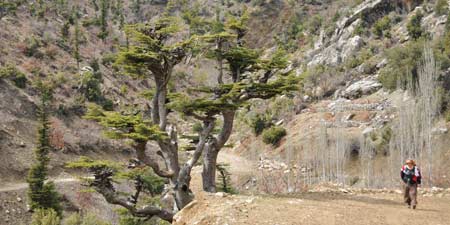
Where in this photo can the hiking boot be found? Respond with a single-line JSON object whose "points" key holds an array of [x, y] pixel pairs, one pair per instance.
{"points": [[414, 207]]}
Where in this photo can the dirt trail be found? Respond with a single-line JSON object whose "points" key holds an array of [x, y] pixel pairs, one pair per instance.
{"points": [[334, 207], [6, 187]]}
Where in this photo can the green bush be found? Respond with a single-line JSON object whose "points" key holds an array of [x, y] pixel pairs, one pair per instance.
{"points": [[90, 86], [382, 26], [260, 122], [11, 72], [441, 7], [45, 217], [414, 26], [402, 64], [447, 115], [314, 24], [108, 59], [273, 135], [31, 48]]}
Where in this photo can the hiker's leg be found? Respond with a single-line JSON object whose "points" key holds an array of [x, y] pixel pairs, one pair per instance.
{"points": [[413, 195], [406, 197]]}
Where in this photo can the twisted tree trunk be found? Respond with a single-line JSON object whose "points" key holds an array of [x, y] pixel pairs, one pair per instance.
{"points": [[212, 149]]}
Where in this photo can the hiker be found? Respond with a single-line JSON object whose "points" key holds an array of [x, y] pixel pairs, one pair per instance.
{"points": [[412, 178]]}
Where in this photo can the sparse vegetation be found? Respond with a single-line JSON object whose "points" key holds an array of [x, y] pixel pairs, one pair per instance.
{"points": [[11, 72]]}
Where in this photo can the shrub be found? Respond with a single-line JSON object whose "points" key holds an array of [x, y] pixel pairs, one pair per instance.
{"points": [[260, 122], [315, 24], [402, 64], [108, 59], [31, 47], [45, 217], [382, 25], [441, 7], [11, 72], [273, 135], [414, 26], [90, 86]]}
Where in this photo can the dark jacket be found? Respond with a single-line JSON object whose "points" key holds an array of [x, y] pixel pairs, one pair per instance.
{"points": [[411, 176]]}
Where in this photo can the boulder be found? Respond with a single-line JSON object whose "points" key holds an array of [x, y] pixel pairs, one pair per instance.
{"points": [[362, 87]]}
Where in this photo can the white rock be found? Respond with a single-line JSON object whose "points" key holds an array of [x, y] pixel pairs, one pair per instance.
{"points": [[221, 194], [368, 130], [362, 87]]}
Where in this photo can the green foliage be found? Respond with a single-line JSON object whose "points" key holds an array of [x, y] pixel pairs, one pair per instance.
{"points": [[233, 96], [151, 183], [108, 59], [11, 72], [150, 49], [45, 217], [85, 162], [76, 43], [441, 7], [380, 140], [382, 26], [65, 30], [32, 45], [42, 194], [104, 6], [315, 23], [273, 135], [224, 179], [197, 23], [259, 122], [8, 7], [127, 219], [89, 85], [359, 59], [414, 26], [402, 64], [361, 29], [89, 219], [120, 126]]}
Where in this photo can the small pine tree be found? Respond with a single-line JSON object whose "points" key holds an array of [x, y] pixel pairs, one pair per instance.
{"points": [[42, 195], [224, 178], [76, 43], [65, 30], [104, 6]]}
